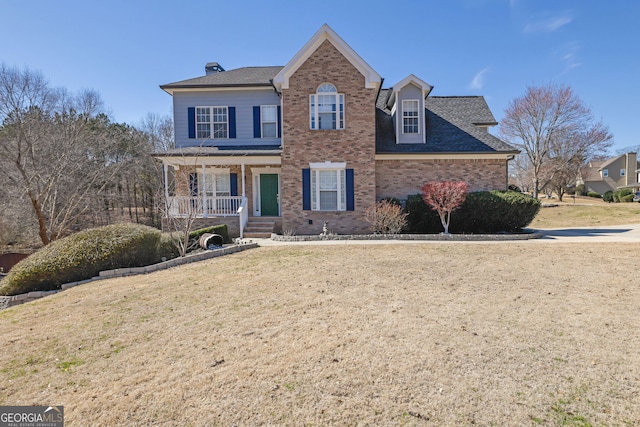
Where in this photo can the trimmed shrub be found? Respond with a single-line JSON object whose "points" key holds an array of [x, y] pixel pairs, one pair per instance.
{"points": [[481, 212], [580, 190], [627, 198], [83, 255], [420, 217], [168, 248], [593, 194], [608, 196]]}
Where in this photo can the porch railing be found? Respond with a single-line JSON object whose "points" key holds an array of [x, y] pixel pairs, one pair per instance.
{"points": [[202, 207]]}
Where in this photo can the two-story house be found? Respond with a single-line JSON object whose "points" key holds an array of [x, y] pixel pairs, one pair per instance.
{"points": [[319, 141], [611, 174]]}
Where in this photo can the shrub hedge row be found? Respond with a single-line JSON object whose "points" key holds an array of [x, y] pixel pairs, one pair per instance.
{"points": [[482, 212], [82, 256], [85, 254]]}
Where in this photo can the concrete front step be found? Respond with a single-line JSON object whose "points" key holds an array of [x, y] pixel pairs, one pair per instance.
{"points": [[255, 235], [259, 228]]}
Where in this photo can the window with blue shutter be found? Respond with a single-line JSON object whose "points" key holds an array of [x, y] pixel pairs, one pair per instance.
{"points": [[256, 121], [328, 187], [233, 184], [350, 190], [191, 116], [232, 122], [279, 122], [306, 189]]}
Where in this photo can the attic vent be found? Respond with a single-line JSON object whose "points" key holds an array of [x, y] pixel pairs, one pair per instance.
{"points": [[213, 67]]}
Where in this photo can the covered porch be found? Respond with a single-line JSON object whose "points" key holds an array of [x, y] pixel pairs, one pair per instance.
{"points": [[211, 186]]}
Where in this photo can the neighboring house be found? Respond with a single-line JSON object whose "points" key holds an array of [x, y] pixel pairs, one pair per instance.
{"points": [[319, 141], [612, 174]]}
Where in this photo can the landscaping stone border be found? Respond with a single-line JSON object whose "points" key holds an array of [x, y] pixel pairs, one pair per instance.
{"points": [[426, 237], [10, 301]]}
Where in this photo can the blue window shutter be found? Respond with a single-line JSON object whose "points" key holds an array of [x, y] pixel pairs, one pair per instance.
{"points": [[256, 122], [193, 184], [233, 183], [232, 122], [350, 190], [279, 122], [191, 115], [306, 189]]}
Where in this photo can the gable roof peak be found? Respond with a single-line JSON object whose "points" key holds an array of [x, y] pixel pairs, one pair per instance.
{"points": [[372, 78], [410, 79]]}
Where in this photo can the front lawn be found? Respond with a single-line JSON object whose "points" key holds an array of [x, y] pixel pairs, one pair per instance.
{"points": [[439, 334]]}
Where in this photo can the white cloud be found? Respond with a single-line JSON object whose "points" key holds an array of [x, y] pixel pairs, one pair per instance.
{"points": [[568, 55], [478, 80], [548, 25]]}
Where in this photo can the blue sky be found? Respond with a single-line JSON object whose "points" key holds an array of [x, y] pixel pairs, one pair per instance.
{"points": [[496, 48]]}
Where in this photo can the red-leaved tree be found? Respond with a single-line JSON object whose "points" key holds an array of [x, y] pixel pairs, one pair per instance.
{"points": [[445, 197]]}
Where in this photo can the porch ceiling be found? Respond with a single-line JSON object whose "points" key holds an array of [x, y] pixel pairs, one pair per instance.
{"points": [[219, 160]]}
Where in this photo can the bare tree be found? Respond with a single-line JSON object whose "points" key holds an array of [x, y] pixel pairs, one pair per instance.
{"points": [[554, 129], [56, 149], [159, 130]]}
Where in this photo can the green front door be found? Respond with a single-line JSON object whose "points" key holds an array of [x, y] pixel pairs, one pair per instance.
{"points": [[269, 194]]}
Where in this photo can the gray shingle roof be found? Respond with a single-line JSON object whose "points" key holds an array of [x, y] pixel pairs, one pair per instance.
{"points": [[246, 76], [228, 150], [451, 127]]}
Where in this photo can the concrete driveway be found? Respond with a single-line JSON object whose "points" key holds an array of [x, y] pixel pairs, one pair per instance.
{"points": [[612, 233]]}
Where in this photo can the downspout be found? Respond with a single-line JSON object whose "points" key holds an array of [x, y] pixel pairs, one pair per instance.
{"points": [[511, 157]]}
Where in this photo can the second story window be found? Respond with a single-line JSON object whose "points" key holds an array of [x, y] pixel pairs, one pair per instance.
{"points": [[269, 121], [605, 173], [212, 122], [326, 108], [410, 116]]}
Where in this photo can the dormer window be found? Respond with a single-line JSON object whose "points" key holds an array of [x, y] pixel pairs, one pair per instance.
{"points": [[410, 116], [326, 108]]}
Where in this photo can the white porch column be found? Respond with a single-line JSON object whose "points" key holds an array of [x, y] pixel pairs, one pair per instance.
{"points": [[202, 187], [243, 184], [165, 172]]}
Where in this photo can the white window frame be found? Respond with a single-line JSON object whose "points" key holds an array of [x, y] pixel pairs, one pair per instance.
{"points": [[406, 118], [327, 91], [605, 173], [211, 179], [623, 172], [223, 126], [341, 185], [263, 121]]}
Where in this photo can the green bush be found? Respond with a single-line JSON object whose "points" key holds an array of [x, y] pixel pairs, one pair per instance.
{"points": [[580, 190], [621, 195], [168, 248], [593, 194], [481, 212], [608, 196], [420, 217], [83, 255]]}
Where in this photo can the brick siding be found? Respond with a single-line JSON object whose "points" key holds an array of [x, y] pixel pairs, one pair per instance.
{"points": [[355, 144], [401, 178]]}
